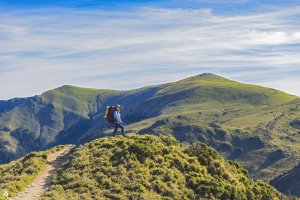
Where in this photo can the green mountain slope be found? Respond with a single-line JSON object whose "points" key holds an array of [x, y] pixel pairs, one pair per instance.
{"points": [[255, 126], [35, 123], [149, 167], [250, 124]]}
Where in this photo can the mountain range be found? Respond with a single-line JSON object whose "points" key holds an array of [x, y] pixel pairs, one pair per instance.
{"points": [[255, 126]]}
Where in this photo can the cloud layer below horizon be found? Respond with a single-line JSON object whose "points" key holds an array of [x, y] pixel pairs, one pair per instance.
{"points": [[45, 48]]}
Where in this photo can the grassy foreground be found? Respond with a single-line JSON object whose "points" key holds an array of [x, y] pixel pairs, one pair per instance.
{"points": [[17, 175], [150, 167]]}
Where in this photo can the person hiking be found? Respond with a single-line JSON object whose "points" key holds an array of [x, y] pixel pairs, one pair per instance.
{"points": [[118, 121]]}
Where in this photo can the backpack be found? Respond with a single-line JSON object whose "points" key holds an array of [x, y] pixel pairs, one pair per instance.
{"points": [[109, 114]]}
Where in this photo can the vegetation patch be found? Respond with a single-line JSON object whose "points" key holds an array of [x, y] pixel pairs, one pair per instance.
{"points": [[17, 175], [150, 167]]}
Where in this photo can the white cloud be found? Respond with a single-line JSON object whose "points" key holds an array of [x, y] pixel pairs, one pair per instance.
{"points": [[108, 49], [272, 37]]}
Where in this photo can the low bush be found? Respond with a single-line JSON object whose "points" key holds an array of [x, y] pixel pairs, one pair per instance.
{"points": [[150, 167]]}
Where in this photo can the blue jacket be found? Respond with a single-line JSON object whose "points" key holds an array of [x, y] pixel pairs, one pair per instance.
{"points": [[117, 117]]}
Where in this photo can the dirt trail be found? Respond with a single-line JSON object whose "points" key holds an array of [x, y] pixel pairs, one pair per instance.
{"points": [[42, 182]]}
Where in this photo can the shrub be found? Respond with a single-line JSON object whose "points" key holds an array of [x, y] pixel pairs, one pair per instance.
{"points": [[149, 167]]}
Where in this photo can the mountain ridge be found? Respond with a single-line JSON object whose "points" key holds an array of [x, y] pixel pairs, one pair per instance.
{"points": [[222, 113]]}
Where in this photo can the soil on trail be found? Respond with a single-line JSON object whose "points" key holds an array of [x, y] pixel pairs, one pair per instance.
{"points": [[42, 182]]}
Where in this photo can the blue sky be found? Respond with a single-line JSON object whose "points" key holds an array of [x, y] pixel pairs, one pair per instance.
{"points": [[129, 44]]}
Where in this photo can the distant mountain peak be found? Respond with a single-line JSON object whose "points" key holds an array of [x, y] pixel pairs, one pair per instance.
{"points": [[66, 87], [208, 75]]}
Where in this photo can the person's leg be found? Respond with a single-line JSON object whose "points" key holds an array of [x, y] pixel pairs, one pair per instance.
{"points": [[116, 129], [122, 129]]}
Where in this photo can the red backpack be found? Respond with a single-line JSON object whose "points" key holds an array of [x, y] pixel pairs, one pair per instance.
{"points": [[110, 114]]}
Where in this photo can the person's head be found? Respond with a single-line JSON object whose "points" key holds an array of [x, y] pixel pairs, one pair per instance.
{"points": [[118, 107]]}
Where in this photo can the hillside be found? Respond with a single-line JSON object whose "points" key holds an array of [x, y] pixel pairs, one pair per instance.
{"points": [[255, 126], [15, 176], [288, 183], [149, 167], [39, 122]]}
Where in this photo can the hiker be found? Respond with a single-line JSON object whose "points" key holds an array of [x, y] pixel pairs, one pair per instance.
{"points": [[113, 116], [118, 121]]}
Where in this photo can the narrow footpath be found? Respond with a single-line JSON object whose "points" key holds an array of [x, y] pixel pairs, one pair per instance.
{"points": [[42, 182]]}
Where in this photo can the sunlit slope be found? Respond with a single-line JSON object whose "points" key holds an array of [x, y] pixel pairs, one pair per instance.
{"points": [[149, 167], [208, 93], [247, 123], [84, 101]]}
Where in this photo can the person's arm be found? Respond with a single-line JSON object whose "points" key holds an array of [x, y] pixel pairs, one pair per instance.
{"points": [[117, 118], [120, 120]]}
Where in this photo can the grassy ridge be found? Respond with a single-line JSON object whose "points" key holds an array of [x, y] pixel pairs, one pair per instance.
{"points": [[76, 99], [149, 167]]}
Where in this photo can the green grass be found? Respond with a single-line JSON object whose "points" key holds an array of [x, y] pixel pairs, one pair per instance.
{"points": [[149, 167], [75, 99], [237, 123], [17, 175], [206, 100]]}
